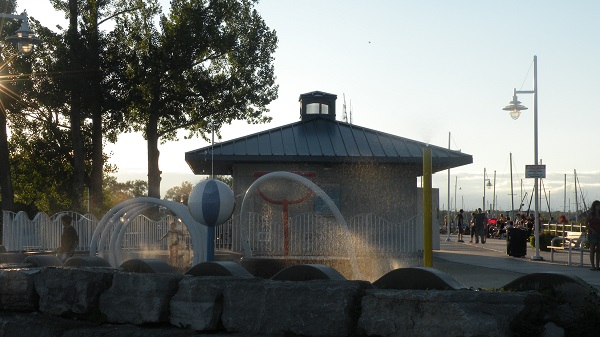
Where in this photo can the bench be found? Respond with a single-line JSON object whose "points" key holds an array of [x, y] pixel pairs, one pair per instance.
{"points": [[572, 241]]}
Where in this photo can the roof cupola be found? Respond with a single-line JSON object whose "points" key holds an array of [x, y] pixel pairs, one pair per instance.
{"points": [[317, 104]]}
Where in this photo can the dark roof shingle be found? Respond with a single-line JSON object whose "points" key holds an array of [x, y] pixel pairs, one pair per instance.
{"points": [[320, 140]]}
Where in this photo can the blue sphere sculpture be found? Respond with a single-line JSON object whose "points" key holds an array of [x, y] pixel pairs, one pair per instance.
{"points": [[211, 202]]}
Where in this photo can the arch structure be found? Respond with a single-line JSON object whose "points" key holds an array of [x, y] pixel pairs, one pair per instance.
{"points": [[318, 192], [109, 234]]}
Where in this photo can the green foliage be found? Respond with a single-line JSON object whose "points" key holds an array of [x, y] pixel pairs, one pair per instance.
{"points": [[208, 63], [545, 239], [116, 192], [175, 193], [203, 65], [186, 188]]}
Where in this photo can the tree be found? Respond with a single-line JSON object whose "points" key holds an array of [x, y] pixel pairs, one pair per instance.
{"points": [[209, 63], [186, 187], [90, 103], [6, 186], [175, 193], [117, 192]]}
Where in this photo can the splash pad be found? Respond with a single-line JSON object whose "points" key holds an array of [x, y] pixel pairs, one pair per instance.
{"points": [[268, 266], [109, 234]]}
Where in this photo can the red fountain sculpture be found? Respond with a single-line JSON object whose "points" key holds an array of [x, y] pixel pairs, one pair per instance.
{"points": [[285, 205]]}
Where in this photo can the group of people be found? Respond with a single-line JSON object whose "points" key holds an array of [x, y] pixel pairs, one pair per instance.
{"points": [[482, 226], [477, 227], [479, 219]]}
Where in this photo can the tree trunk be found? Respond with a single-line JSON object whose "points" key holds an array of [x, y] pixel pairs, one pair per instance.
{"points": [[96, 176], [8, 195], [75, 113], [153, 170], [153, 154]]}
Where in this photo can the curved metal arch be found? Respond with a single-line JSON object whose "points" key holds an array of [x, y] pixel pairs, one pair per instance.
{"points": [[318, 192], [113, 219], [116, 237]]}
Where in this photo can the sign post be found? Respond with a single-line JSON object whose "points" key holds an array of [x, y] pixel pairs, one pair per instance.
{"points": [[535, 171]]}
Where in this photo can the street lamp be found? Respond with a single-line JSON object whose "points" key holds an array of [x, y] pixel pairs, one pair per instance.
{"points": [[24, 38], [514, 107], [486, 184]]}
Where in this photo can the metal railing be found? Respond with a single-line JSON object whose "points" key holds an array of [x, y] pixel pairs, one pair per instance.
{"points": [[558, 229], [315, 235], [310, 234]]}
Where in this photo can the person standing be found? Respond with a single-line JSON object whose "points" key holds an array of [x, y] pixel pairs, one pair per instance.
{"points": [[472, 227], [479, 227], [173, 236], [592, 223], [68, 240], [460, 222]]}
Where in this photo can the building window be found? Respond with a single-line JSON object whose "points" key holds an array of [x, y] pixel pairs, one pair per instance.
{"points": [[312, 108], [317, 108]]}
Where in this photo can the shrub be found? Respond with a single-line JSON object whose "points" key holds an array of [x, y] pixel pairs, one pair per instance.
{"points": [[545, 239]]}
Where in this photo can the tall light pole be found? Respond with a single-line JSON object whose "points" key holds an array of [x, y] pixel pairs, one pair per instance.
{"points": [[484, 181], [486, 184], [493, 210], [514, 107], [24, 39]]}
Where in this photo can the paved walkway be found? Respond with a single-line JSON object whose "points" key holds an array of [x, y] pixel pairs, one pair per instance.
{"points": [[488, 266]]}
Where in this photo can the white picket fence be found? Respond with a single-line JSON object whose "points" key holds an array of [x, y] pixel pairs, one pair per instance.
{"points": [[314, 235], [42, 233], [309, 234]]}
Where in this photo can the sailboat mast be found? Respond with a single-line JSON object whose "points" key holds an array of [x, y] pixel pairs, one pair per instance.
{"points": [[565, 197], [448, 211], [512, 193], [576, 201]]}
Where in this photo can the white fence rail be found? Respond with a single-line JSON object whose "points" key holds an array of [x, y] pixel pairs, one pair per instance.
{"points": [[309, 234], [43, 232]]}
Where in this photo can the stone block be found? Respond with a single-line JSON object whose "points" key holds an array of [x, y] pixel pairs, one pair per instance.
{"points": [[447, 313], [87, 261], [17, 290], [43, 261], [198, 303], [147, 266], [71, 292], [12, 257], [310, 308], [139, 298]]}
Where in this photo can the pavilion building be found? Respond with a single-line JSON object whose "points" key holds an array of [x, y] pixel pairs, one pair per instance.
{"points": [[371, 176]]}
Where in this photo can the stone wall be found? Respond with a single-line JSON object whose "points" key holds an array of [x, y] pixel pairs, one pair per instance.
{"points": [[108, 302]]}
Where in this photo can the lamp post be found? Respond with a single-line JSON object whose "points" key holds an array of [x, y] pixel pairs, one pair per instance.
{"points": [[486, 184], [493, 210], [514, 107], [24, 38]]}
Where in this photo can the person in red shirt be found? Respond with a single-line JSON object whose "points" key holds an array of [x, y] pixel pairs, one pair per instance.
{"points": [[592, 223]]}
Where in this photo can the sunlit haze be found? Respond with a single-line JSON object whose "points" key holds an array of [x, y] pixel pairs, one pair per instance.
{"points": [[426, 69]]}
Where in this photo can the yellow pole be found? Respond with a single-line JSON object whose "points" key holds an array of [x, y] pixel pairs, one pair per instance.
{"points": [[427, 218]]}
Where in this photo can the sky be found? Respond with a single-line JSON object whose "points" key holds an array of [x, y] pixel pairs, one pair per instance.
{"points": [[438, 72]]}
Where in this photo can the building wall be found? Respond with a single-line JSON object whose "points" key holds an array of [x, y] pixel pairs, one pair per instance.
{"points": [[436, 216], [384, 190]]}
